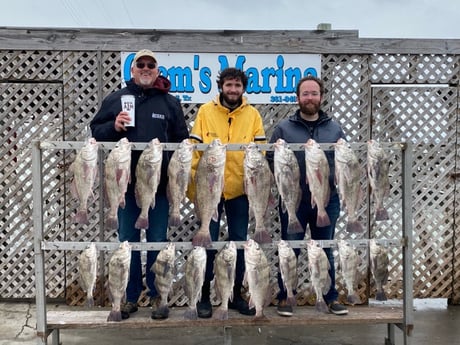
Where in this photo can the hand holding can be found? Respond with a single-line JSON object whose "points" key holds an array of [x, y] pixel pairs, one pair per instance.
{"points": [[128, 104]]}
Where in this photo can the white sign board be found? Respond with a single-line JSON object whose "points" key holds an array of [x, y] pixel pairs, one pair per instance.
{"points": [[272, 78]]}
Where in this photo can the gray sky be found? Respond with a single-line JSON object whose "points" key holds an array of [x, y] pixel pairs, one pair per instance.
{"points": [[372, 18]]}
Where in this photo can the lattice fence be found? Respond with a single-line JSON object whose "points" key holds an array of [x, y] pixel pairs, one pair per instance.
{"points": [[52, 95]]}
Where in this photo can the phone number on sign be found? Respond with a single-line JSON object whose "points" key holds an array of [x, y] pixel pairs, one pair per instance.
{"points": [[283, 99]]}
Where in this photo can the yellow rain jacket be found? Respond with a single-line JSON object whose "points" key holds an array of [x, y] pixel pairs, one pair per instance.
{"points": [[240, 126]]}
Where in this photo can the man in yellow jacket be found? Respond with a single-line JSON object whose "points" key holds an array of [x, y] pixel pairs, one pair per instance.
{"points": [[230, 118]]}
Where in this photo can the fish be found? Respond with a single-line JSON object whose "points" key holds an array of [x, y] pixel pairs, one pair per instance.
{"points": [[348, 179], [288, 270], [318, 266], [257, 277], [379, 262], [224, 278], [84, 169], [148, 173], [349, 261], [179, 174], [118, 278], [209, 180], [195, 268], [287, 178], [117, 172], [87, 268], [258, 182], [377, 170], [317, 173], [164, 270]]}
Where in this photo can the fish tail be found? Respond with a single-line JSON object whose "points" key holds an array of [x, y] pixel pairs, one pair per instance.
{"points": [[90, 301], [112, 222], [321, 306], [381, 296], [291, 301], [322, 219], [142, 223], [381, 214], [191, 314], [174, 220], [114, 316], [82, 217], [354, 299], [202, 238], [294, 226], [260, 316], [354, 227], [220, 314], [262, 236]]}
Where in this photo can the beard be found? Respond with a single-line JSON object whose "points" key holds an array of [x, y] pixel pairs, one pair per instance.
{"points": [[310, 108], [232, 100]]}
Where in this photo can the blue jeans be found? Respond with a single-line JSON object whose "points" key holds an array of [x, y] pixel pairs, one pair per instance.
{"points": [[157, 232], [237, 212], [307, 216]]}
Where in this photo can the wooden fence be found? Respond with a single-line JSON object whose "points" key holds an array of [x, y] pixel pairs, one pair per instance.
{"points": [[52, 82]]}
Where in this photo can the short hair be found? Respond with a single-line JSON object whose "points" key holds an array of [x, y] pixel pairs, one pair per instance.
{"points": [[315, 79], [232, 73]]}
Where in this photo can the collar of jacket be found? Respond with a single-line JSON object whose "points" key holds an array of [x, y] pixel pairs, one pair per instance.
{"points": [[323, 117], [244, 102], [161, 85]]}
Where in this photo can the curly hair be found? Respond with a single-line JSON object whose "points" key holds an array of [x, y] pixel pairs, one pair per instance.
{"points": [[231, 73], [310, 77]]}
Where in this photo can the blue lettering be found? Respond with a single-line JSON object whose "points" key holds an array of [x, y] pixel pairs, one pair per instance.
{"points": [[205, 80], [279, 74], [293, 76], [223, 60], [181, 79], [253, 80], [267, 72], [196, 62], [310, 71], [127, 66]]}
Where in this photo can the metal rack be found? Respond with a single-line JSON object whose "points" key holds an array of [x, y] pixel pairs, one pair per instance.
{"points": [[40, 246]]}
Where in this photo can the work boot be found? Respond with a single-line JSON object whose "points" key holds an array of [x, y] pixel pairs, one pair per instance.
{"points": [[128, 308], [204, 307], [240, 304]]}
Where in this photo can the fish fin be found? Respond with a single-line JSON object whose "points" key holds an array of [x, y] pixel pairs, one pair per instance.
{"points": [[381, 296], [174, 220], [294, 226], [220, 314], [191, 313], [322, 219], [262, 236], [354, 227], [90, 302], [354, 299], [381, 214], [112, 222], [292, 301], [202, 239], [321, 306], [81, 217], [142, 223], [114, 316], [215, 215]]}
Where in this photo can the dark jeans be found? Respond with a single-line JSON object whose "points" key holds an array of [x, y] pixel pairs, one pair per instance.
{"points": [[237, 212], [307, 216], [157, 232]]}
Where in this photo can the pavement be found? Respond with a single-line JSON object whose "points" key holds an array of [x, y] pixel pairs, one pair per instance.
{"points": [[435, 323]]}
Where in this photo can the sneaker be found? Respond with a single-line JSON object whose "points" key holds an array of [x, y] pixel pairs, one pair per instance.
{"points": [[204, 309], [284, 309], [128, 308], [337, 308], [240, 304]]}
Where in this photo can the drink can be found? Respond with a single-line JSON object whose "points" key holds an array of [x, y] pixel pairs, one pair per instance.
{"points": [[128, 104]]}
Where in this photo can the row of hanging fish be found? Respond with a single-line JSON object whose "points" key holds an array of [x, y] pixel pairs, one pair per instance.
{"points": [[257, 275], [261, 185], [117, 176]]}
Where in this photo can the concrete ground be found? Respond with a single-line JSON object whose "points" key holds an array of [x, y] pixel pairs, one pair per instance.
{"points": [[435, 323]]}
